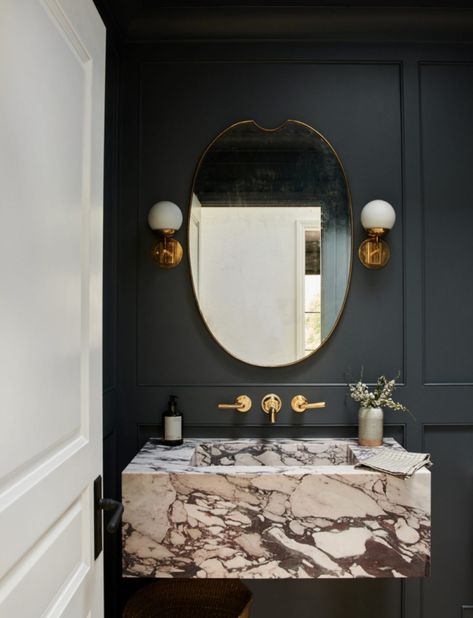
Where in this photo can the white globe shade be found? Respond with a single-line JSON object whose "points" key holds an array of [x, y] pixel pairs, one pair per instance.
{"points": [[165, 216], [378, 213]]}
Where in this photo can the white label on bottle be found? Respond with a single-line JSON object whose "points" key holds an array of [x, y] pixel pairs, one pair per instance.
{"points": [[172, 428]]}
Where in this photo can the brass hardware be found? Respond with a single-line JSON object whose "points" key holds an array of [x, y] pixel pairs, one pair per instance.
{"points": [[242, 404], [168, 251], [165, 218], [373, 252], [271, 404], [299, 403], [352, 243]]}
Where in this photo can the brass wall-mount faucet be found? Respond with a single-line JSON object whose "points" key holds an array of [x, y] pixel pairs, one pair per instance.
{"points": [[271, 404]]}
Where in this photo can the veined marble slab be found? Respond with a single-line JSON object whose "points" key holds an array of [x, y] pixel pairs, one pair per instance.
{"points": [[257, 508]]}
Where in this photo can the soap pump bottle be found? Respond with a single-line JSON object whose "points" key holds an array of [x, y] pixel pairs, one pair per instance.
{"points": [[172, 424]]}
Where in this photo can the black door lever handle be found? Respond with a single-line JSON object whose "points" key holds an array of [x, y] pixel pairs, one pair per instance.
{"points": [[107, 504], [104, 504]]}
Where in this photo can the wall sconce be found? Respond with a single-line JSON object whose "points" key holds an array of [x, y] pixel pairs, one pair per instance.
{"points": [[166, 218], [377, 217]]}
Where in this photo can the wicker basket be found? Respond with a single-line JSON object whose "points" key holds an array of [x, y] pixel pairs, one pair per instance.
{"points": [[190, 598]]}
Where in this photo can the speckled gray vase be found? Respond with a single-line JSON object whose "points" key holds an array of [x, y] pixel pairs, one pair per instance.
{"points": [[370, 426]]}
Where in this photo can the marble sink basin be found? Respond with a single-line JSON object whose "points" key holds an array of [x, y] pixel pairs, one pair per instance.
{"points": [[272, 453], [271, 509]]}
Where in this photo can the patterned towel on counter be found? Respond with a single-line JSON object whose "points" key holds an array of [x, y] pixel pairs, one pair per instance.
{"points": [[398, 463]]}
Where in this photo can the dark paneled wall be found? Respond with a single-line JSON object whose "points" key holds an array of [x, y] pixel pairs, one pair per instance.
{"points": [[447, 138], [400, 117], [362, 121], [111, 471]]}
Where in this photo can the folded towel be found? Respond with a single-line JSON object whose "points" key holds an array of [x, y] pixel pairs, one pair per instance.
{"points": [[396, 462]]}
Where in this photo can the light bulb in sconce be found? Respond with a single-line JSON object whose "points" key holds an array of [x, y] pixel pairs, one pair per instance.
{"points": [[377, 217], [165, 218]]}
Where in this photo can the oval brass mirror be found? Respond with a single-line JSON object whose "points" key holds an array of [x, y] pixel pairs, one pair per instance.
{"points": [[270, 241]]}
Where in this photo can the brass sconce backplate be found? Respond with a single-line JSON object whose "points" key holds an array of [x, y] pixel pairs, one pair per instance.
{"points": [[167, 252], [374, 253]]}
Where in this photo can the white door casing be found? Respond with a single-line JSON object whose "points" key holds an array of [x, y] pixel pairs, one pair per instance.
{"points": [[52, 68]]}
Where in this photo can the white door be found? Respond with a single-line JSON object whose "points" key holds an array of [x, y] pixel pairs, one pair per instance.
{"points": [[52, 65]]}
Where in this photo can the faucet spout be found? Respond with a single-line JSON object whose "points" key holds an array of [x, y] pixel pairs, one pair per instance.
{"points": [[271, 404]]}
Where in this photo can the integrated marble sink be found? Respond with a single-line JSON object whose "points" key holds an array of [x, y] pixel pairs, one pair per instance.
{"points": [[257, 508], [272, 453]]}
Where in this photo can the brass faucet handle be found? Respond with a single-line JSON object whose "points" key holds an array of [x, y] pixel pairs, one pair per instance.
{"points": [[242, 404], [271, 404], [300, 403]]}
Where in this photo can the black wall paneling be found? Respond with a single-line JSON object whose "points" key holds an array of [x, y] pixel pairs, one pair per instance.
{"points": [[339, 20], [400, 118], [150, 430], [451, 584], [363, 122], [326, 598], [111, 471], [448, 220], [297, 22]]}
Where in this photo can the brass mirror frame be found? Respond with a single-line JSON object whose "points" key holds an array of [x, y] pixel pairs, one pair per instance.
{"points": [[350, 211]]}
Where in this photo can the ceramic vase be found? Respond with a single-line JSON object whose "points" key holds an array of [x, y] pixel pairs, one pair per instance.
{"points": [[370, 426]]}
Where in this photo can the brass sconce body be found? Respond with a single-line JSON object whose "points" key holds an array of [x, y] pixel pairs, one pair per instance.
{"points": [[373, 252], [377, 217], [167, 252], [165, 218]]}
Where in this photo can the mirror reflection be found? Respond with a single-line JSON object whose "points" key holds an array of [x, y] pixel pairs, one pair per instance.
{"points": [[270, 241]]}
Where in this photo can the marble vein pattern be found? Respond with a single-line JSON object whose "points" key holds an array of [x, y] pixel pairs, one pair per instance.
{"points": [[271, 509]]}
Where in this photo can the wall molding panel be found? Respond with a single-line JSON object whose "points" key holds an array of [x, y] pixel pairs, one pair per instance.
{"points": [[445, 351], [447, 590], [216, 361]]}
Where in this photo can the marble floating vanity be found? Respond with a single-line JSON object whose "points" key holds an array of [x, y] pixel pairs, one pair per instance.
{"points": [[258, 508]]}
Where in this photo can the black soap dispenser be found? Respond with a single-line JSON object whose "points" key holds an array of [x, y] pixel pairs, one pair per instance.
{"points": [[172, 424]]}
